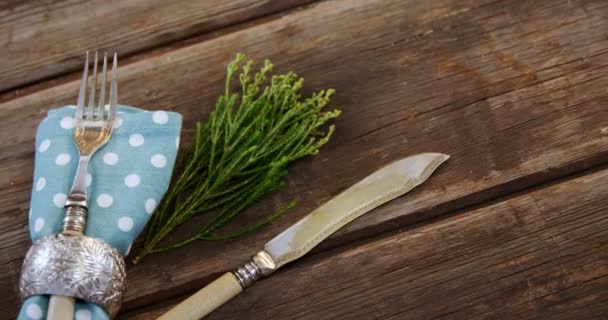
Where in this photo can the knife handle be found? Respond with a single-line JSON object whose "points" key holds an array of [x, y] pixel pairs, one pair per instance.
{"points": [[223, 289], [206, 300], [60, 308]]}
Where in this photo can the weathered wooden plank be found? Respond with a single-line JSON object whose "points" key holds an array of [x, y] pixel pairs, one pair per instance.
{"points": [[540, 255], [513, 91], [41, 39]]}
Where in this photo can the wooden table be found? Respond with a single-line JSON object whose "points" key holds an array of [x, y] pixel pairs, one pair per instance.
{"points": [[514, 226]]}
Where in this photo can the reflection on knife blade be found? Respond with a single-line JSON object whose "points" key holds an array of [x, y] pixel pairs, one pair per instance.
{"points": [[381, 186]]}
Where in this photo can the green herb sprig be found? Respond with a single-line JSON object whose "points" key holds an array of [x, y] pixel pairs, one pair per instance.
{"points": [[241, 154]]}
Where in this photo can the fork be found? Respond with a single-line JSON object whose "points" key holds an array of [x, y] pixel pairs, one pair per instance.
{"points": [[92, 130]]}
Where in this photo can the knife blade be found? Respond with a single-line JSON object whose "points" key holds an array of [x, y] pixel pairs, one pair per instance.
{"points": [[376, 189]]}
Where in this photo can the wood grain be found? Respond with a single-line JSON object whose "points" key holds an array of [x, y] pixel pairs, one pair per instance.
{"points": [[513, 91], [527, 257], [42, 39]]}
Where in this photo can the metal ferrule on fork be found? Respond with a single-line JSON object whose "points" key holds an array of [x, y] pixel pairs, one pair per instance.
{"points": [[75, 219]]}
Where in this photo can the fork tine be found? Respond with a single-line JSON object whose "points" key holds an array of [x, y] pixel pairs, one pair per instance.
{"points": [[101, 105], [113, 90], [92, 90], [83, 88]]}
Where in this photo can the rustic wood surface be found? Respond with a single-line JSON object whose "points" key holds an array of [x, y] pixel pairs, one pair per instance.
{"points": [[524, 257], [514, 91], [43, 39]]}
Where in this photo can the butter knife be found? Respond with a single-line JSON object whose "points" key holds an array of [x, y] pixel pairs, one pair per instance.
{"points": [[378, 188]]}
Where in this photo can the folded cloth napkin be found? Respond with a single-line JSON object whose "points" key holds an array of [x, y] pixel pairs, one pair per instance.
{"points": [[127, 179]]}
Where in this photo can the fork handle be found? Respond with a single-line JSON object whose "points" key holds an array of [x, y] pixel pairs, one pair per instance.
{"points": [[78, 192], [61, 308], [74, 222]]}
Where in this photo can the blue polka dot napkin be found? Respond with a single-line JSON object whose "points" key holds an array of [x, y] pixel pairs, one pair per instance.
{"points": [[127, 179]]}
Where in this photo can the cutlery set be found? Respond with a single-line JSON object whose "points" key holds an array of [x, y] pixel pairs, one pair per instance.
{"points": [[71, 265]]}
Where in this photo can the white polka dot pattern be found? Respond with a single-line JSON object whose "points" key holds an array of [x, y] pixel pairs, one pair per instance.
{"points": [[110, 158], [105, 200], [160, 117], [67, 123], [125, 224], [125, 182], [34, 311], [44, 145], [39, 224], [83, 314], [59, 200], [158, 160], [132, 180], [40, 183], [150, 205], [62, 159], [136, 140]]}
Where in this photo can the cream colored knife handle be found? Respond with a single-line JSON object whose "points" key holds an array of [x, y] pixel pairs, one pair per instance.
{"points": [[60, 308], [205, 300]]}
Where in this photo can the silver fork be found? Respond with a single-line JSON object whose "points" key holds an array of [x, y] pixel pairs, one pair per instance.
{"points": [[92, 130]]}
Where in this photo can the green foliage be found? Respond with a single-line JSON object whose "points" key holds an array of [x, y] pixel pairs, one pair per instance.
{"points": [[241, 154]]}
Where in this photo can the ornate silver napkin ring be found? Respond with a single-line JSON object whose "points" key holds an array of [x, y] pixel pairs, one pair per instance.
{"points": [[76, 266]]}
